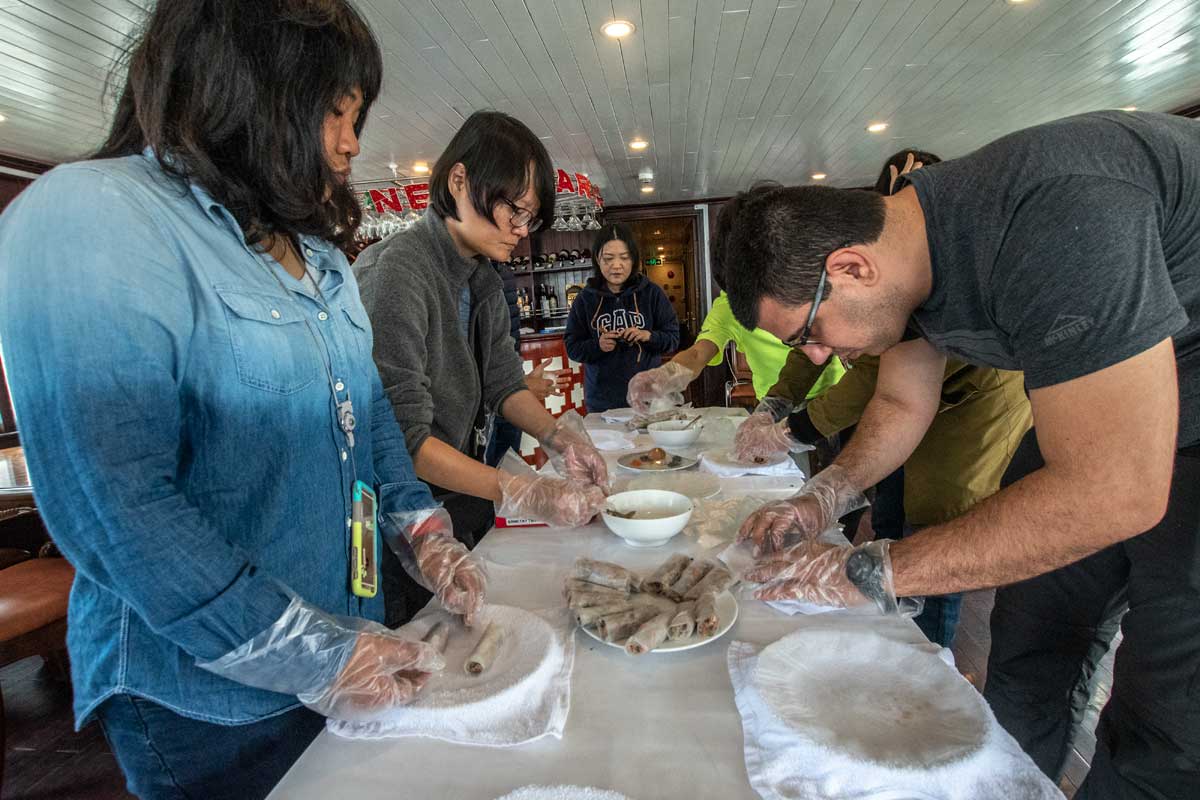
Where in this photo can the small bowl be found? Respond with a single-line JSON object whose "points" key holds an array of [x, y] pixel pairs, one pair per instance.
{"points": [[672, 433], [666, 515]]}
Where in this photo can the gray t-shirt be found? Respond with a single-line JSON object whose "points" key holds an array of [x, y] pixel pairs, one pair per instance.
{"points": [[1066, 248]]}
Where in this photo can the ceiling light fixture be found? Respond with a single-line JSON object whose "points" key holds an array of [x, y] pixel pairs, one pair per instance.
{"points": [[819, 176], [877, 127], [1129, 108], [647, 189], [420, 168], [3, 118], [639, 144], [617, 28], [661, 249]]}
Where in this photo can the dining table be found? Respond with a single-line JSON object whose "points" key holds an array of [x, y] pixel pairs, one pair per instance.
{"points": [[660, 726]]}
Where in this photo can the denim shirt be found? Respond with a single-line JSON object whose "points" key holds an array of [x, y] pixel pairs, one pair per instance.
{"points": [[180, 430]]}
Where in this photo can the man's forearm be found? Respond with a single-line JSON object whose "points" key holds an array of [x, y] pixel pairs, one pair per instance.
{"points": [[884, 439], [525, 411], [440, 464], [697, 356], [1044, 521]]}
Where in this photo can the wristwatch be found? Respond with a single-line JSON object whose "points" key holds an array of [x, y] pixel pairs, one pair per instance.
{"points": [[864, 570]]}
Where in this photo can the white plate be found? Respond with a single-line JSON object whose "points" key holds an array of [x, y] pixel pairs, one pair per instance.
{"points": [[696, 485], [725, 458], [727, 607], [562, 793], [684, 462], [872, 698]]}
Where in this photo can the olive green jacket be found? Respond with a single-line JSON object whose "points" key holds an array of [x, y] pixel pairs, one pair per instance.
{"points": [[982, 416]]}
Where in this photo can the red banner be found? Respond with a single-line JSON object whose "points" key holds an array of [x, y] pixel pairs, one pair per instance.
{"points": [[415, 196]]}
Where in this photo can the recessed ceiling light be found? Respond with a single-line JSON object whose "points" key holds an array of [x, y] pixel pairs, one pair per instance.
{"points": [[658, 233], [1129, 108], [647, 189], [819, 176], [393, 166], [877, 127], [639, 144], [661, 249], [1015, 2], [420, 168], [617, 28], [3, 118]]}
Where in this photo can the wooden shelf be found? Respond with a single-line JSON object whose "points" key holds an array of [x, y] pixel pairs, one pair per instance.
{"points": [[551, 270]]}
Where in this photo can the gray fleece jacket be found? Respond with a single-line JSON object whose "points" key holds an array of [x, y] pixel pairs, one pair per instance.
{"points": [[411, 284]]}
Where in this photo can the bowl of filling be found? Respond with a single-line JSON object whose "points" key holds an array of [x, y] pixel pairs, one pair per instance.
{"points": [[647, 517], [675, 432]]}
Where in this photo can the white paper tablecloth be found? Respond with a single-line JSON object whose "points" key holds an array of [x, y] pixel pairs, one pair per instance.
{"points": [[657, 727]]}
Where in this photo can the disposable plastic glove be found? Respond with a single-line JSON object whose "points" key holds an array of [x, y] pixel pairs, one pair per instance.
{"points": [[761, 437], [572, 453], [817, 572], [813, 510], [424, 542], [659, 387], [341, 667], [558, 502]]}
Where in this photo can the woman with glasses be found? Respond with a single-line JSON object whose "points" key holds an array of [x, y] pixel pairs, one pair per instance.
{"points": [[444, 349], [621, 323]]}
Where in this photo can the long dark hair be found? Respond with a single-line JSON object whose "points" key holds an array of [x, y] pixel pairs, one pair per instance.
{"points": [[496, 150], [611, 233], [233, 95]]}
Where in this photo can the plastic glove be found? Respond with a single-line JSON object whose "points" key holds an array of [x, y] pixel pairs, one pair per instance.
{"points": [[342, 667], [559, 502], [817, 572], [778, 407], [424, 542], [814, 509], [762, 437], [664, 384], [572, 453]]}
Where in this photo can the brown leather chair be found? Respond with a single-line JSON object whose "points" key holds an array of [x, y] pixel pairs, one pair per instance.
{"points": [[739, 390], [33, 617]]}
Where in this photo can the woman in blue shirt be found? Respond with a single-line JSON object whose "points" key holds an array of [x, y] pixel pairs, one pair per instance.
{"points": [[191, 368]]}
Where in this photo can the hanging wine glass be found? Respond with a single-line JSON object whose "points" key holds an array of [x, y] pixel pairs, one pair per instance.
{"points": [[574, 223], [559, 224]]}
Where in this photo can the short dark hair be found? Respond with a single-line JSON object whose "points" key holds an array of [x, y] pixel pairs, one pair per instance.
{"points": [[780, 239], [496, 150], [898, 160], [609, 233], [724, 224], [233, 95]]}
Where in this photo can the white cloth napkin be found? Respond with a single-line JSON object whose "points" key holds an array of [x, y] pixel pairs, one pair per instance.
{"points": [[784, 765], [523, 711], [618, 415], [607, 439], [720, 462]]}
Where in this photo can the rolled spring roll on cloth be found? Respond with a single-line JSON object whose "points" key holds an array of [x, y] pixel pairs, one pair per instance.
{"points": [[683, 622], [707, 618], [650, 635], [606, 574], [485, 652], [437, 636], [662, 578], [689, 578], [718, 579], [620, 626]]}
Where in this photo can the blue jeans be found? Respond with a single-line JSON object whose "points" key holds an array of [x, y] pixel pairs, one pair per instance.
{"points": [[169, 757]]}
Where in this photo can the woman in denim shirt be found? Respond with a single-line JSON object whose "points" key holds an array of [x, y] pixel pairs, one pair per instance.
{"points": [[186, 349]]}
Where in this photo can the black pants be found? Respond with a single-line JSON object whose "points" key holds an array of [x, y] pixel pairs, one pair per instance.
{"points": [[403, 597], [1050, 632]]}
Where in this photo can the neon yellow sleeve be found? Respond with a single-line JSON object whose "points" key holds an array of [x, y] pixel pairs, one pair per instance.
{"points": [[718, 327]]}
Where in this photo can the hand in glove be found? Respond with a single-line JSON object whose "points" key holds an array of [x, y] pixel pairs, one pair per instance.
{"points": [[842, 576], [342, 667], [572, 453], [663, 384], [448, 568], [813, 510], [555, 501], [762, 437]]}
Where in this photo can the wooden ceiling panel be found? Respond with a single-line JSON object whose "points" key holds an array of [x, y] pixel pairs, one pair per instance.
{"points": [[727, 92]]}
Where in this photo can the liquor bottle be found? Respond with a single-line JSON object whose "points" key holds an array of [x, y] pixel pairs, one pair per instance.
{"points": [[553, 299], [543, 300]]}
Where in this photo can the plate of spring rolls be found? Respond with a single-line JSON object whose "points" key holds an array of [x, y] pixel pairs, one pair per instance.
{"points": [[683, 603]]}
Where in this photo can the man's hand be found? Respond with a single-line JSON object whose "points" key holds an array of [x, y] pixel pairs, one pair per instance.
{"points": [[817, 572]]}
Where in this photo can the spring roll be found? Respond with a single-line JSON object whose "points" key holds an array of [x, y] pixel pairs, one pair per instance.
{"points": [[605, 573], [667, 574], [716, 581], [590, 615], [650, 635], [689, 578], [620, 626], [583, 599], [683, 622], [579, 585], [485, 652], [707, 619], [437, 636]]}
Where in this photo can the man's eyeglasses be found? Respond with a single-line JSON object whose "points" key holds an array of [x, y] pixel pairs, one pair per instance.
{"points": [[522, 217], [803, 338]]}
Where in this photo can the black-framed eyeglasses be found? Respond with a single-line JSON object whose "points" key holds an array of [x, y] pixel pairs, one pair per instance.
{"points": [[803, 338], [522, 217]]}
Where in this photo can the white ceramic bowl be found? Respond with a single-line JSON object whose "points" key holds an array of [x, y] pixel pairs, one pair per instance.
{"points": [[660, 515], [672, 433]]}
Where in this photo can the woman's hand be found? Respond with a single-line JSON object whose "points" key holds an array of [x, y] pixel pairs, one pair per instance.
{"points": [[633, 335], [608, 341]]}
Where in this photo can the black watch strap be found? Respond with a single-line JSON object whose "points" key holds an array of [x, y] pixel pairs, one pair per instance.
{"points": [[864, 570]]}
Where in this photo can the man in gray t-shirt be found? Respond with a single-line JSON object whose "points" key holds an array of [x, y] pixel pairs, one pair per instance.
{"points": [[1071, 252]]}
